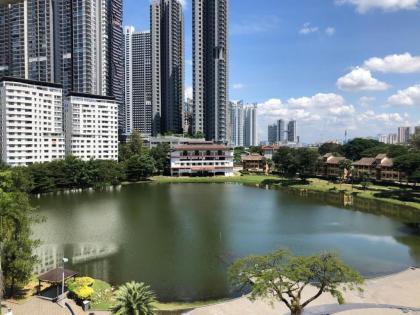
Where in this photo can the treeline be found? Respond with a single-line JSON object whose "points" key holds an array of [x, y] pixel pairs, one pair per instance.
{"points": [[16, 245], [135, 163], [303, 162]]}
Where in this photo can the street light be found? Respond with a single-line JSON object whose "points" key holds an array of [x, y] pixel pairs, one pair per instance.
{"points": [[64, 261]]}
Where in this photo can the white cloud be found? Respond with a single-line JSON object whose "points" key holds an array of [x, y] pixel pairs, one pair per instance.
{"points": [[366, 100], [407, 97], [330, 31], [317, 115], [361, 80], [238, 86], [320, 100], [308, 29], [188, 92], [404, 63], [363, 6], [188, 62]]}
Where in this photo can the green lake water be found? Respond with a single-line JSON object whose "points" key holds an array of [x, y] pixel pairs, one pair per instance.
{"points": [[180, 238]]}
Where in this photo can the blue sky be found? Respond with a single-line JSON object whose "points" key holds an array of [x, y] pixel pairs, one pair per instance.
{"points": [[333, 65]]}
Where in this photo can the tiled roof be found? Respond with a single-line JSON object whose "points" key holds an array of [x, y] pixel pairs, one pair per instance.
{"points": [[252, 157], [381, 156], [201, 147], [365, 162], [335, 160], [387, 162]]}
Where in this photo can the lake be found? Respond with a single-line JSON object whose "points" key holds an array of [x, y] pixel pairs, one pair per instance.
{"points": [[180, 238]]}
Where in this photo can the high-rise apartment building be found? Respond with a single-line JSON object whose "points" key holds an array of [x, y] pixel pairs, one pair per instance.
{"points": [[237, 123], [243, 119], [78, 44], [211, 69], [82, 45], [116, 58], [167, 41], [272, 134], [138, 82], [91, 126], [292, 132], [281, 131], [27, 39], [250, 125], [31, 121], [403, 135]]}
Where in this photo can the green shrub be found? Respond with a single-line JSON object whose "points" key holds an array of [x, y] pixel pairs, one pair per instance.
{"points": [[81, 287]]}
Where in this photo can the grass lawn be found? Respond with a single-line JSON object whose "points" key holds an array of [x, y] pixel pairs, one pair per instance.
{"points": [[102, 300], [372, 192], [246, 179]]}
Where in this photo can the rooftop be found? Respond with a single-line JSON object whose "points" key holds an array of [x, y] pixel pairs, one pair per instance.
{"points": [[93, 96], [365, 162], [202, 147], [252, 157], [56, 275], [31, 82]]}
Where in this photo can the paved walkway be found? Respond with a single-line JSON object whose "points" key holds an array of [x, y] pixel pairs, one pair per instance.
{"points": [[37, 306], [335, 309], [399, 289]]}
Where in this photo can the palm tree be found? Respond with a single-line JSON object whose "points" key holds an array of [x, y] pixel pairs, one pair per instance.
{"points": [[134, 298]]}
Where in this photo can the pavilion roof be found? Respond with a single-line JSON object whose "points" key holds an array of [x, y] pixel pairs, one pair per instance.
{"points": [[56, 275]]}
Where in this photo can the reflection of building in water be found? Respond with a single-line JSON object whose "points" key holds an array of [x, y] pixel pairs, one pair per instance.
{"points": [[90, 251], [49, 257]]}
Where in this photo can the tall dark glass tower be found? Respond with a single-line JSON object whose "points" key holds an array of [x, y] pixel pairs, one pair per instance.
{"points": [[211, 69], [116, 57], [167, 40]]}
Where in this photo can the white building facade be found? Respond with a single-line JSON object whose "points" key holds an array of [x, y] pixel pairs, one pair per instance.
{"points": [[202, 159], [91, 127], [31, 122]]}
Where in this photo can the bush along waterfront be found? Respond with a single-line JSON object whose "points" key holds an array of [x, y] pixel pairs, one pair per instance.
{"points": [[136, 163]]}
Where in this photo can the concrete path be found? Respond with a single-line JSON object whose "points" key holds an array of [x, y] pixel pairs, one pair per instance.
{"points": [[335, 309], [37, 306], [399, 289]]}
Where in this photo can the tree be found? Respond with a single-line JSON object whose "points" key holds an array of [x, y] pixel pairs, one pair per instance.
{"points": [[105, 172], [353, 149], [237, 153], [16, 217], [161, 156], [374, 151], [396, 150], [42, 178], [134, 146], [283, 277], [286, 162], [331, 147], [409, 164], [307, 160], [134, 299], [139, 167], [415, 142], [346, 167]]}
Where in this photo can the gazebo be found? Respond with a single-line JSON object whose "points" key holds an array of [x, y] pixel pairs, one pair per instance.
{"points": [[55, 279]]}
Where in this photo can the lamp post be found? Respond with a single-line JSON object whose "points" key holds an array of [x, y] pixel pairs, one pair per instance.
{"points": [[64, 261]]}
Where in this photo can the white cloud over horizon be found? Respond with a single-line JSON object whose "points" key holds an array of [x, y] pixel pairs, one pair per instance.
{"points": [[403, 63], [360, 79], [363, 6], [321, 113], [407, 97]]}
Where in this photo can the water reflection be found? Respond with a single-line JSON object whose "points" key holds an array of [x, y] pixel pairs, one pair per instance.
{"points": [[50, 256]]}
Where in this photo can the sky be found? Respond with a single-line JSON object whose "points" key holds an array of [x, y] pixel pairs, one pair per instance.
{"points": [[332, 65]]}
